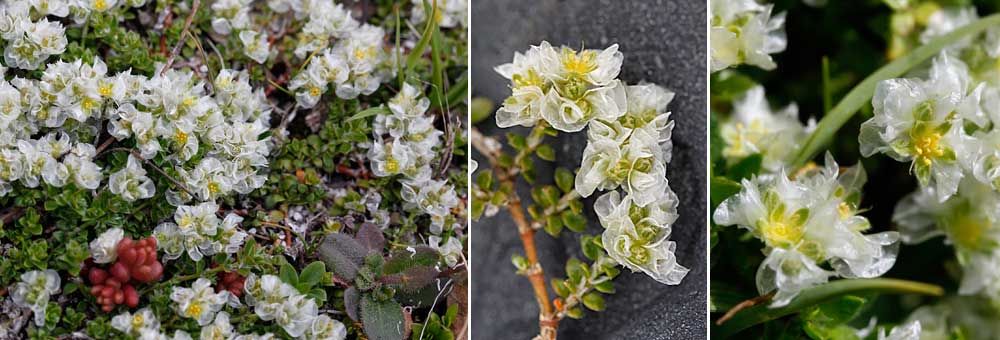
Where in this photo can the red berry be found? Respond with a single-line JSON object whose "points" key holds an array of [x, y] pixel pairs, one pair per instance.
{"points": [[120, 272], [107, 292], [107, 308], [157, 271], [131, 297], [119, 297], [96, 290], [140, 256], [97, 276]]}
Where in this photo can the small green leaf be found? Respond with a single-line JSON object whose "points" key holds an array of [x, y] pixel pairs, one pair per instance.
{"points": [[516, 141], [312, 274], [288, 275], [546, 152], [372, 111], [573, 221], [594, 301], [564, 180]]}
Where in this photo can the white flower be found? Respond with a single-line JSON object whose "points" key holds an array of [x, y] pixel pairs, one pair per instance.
{"points": [[754, 128], [450, 250], [34, 290], [638, 166], [200, 302], [220, 329], [103, 248], [920, 122], [136, 324], [131, 182], [805, 223], [744, 32], [255, 45], [528, 88], [450, 13], [296, 314], [325, 328], [636, 236]]}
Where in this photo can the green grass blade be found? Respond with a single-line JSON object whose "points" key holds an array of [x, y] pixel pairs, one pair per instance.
{"points": [[425, 39], [370, 112], [816, 295], [863, 92]]}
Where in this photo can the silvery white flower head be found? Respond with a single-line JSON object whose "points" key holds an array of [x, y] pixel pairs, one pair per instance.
{"points": [[135, 324], [451, 250], [200, 302], [103, 248], [255, 45], [922, 121], [370, 64], [297, 314], [906, 331], [637, 236], [528, 88], [267, 294], [450, 13], [325, 328], [754, 128], [220, 329], [230, 15], [59, 8], [326, 20], [169, 240], [131, 182], [807, 222], [34, 290], [948, 19], [969, 221], [585, 86], [638, 166], [744, 32]]}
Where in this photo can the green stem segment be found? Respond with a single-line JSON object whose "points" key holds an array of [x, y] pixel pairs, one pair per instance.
{"points": [[863, 92], [816, 295]]}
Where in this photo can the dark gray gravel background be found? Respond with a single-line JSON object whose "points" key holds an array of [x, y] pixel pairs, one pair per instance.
{"points": [[664, 43]]}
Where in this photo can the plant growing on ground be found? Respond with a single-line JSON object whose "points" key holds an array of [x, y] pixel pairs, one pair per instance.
{"points": [[172, 169], [930, 111], [557, 90]]}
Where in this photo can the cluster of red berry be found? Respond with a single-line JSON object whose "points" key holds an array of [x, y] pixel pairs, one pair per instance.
{"points": [[231, 281], [136, 262]]}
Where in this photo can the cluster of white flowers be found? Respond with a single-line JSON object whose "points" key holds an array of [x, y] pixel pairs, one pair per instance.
{"points": [[744, 32], [144, 325], [234, 16], [806, 223], [754, 128], [197, 231], [71, 99], [404, 144], [29, 43], [356, 64], [34, 291], [628, 145], [296, 313], [566, 88], [450, 13]]}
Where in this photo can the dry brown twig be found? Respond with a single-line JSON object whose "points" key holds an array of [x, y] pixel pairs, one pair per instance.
{"points": [[183, 38]]}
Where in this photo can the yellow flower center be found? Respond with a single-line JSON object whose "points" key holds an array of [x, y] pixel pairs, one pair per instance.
{"points": [[926, 147], [782, 233], [213, 187], [188, 102], [966, 231], [181, 137], [194, 309], [137, 321], [315, 91], [88, 104], [582, 62], [100, 5], [391, 165], [105, 90], [363, 53]]}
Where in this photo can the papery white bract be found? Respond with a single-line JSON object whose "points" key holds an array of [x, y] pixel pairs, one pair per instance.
{"points": [[103, 248], [34, 291], [636, 236], [754, 128], [745, 32], [200, 302], [805, 223]]}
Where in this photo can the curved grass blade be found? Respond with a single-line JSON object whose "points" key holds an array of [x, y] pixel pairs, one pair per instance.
{"points": [[863, 92], [816, 295]]}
